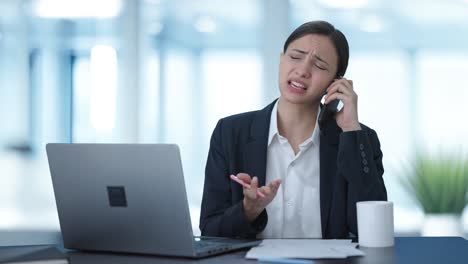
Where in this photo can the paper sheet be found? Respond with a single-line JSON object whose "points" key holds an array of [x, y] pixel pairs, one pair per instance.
{"points": [[304, 248]]}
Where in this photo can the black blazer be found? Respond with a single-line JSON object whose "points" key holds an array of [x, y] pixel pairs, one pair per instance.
{"points": [[350, 171]]}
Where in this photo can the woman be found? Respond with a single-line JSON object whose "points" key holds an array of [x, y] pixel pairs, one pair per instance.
{"points": [[311, 177]]}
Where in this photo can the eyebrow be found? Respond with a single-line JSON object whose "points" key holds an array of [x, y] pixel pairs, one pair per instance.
{"points": [[315, 56]]}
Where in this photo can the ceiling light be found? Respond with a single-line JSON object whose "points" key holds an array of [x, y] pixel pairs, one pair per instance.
{"points": [[77, 8], [205, 24], [344, 3]]}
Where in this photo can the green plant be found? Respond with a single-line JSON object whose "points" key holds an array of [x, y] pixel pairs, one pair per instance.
{"points": [[439, 184]]}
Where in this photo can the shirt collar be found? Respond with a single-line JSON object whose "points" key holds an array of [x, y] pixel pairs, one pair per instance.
{"points": [[273, 123], [314, 138]]}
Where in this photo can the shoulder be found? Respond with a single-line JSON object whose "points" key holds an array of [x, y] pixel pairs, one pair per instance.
{"points": [[236, 126], [239, 120], [253, 121]]}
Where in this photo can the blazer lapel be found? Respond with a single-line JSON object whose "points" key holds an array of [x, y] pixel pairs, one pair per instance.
{"points": [[255, 155], [329, 139]]}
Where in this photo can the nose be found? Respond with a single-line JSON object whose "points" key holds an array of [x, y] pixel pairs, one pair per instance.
{"points": [[303, 69]]}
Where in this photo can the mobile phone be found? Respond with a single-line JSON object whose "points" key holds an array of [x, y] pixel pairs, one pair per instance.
{"points": [[328, 110]]}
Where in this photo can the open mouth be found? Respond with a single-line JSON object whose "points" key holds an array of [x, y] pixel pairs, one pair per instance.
{"points": [[297, 85]]}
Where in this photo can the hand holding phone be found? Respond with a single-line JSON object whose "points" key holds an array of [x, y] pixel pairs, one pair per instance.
{"points": [[340, 94], [329, 110]]}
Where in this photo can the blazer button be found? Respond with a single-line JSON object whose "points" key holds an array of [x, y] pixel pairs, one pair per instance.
{"points": [[361, 146], [363, 154], [366, 169], [364, 161]]}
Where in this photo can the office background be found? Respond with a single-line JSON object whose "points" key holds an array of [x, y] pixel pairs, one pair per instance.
{"points": [[161, 71]]}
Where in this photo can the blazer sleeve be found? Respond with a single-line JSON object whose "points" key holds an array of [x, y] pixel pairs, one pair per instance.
{"points": [[360, 163], [220, 215]]}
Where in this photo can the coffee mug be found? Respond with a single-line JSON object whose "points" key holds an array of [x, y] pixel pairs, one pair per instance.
{"points": [[375, 223]]}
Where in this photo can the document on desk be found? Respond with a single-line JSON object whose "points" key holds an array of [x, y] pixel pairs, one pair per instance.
{"points": [[305, 249]]}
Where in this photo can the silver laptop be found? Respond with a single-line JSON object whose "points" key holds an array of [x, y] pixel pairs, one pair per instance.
{"points": [[127, 198]]}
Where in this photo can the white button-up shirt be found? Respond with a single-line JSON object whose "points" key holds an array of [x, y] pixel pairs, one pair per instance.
{"points": [[295, 210]]}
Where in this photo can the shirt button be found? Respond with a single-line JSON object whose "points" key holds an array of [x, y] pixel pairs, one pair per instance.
{"points": [[361, 146], [366, 169], [363, 154], [364, 161]]}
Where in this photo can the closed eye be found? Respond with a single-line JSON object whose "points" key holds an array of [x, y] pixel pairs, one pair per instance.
{"points": [[294, 58], [321, 68]]}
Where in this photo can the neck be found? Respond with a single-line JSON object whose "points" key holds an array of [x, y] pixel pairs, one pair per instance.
{"points": [[296, 121]]}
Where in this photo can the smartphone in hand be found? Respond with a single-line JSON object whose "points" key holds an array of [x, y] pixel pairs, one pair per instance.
{"points": [[329, 110]]}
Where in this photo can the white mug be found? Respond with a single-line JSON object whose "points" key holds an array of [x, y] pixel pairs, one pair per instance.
{"points": [[375, 223]]}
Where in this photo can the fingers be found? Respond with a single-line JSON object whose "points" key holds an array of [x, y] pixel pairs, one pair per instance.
{"points": [[244, 177], [271, 189], [275, 184], [251, 192], [265, 190], [347, 84], [338, 89], [334, 96]]}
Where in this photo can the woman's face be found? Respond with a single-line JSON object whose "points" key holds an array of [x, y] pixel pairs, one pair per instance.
{"points": [[307, 68]]}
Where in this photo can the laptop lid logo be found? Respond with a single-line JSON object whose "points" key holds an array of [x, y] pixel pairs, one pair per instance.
{"points": [[117, 197]]}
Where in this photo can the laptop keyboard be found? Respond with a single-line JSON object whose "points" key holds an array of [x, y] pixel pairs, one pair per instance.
{"points": [[213, 244], [208, 245]]}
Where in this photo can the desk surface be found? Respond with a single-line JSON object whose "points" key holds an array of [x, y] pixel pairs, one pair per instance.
{"points": [[407, 250]]}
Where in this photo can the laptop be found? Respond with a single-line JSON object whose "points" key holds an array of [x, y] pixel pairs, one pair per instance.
{"points": [[127, 198]]}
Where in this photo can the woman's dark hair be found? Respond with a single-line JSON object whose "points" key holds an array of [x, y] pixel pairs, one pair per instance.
{"points": [[326, 29]]}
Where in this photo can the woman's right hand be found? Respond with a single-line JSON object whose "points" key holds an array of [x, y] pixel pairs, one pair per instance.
{"points": [[253, 203]]}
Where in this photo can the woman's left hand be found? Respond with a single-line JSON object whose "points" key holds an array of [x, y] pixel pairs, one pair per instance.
{"points": [[347, 118]]}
